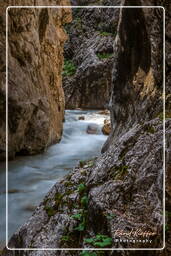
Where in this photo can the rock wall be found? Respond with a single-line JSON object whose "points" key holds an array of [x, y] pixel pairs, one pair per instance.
{"points": [[138, 61], [89, 56], [122, 189], [35, 60]]}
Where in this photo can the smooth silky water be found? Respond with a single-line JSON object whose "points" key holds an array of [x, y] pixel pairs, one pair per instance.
{"points": [[31, 177]]}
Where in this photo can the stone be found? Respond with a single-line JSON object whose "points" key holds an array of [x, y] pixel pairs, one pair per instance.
{"points": [[106, 129], [81, 118], [93, 129]]}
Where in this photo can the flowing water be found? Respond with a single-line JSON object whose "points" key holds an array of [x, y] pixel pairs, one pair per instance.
{"points": [[31, 177]]}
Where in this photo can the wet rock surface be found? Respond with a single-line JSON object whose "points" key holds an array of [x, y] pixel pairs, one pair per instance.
{"points": [[35, 94]]}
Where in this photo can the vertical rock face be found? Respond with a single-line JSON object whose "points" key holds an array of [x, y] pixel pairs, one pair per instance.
{"points": [[122, 189], [35, 60], [89, 55], [137, 72]]}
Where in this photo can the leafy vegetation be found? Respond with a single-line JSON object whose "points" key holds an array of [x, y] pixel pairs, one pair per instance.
{"points": [[88, 253], [69, 68], [105, 33], [50, 211], [99, 241], [81, 188], [102, 56], [82, 215]]}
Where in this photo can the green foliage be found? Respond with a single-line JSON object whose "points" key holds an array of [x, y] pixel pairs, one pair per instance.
{"points": [[88, 253], [102, 56], [69, 68], [68, 183], [50, 211], [58, 198], [82, 163], [82, 215], [99, 240], [80, 227], [77, 216], [65, 238], [81, 188], [84, 201], [105, 33]]}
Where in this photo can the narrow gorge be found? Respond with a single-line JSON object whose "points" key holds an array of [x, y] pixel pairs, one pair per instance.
{"points": [[67, 69]]}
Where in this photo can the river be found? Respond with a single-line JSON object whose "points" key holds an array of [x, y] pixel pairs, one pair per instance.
{"points": [[31, 177]]}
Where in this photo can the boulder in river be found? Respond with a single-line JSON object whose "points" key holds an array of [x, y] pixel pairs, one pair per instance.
{"points": [[81, 118], [93, 129], [106, 129]]}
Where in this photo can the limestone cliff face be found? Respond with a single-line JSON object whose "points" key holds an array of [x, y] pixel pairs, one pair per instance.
{"points": [[122, 189], [90, 52], [137, 84], [35, 95]]}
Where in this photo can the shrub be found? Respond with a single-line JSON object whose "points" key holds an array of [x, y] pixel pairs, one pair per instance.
{"points": [[69, 68]]}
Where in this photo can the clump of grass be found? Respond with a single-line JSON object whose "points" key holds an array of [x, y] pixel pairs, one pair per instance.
{"points": [[69, 68], [102, 56], [105, 33]]}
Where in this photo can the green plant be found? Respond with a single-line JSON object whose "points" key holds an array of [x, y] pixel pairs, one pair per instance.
{"points": [[82, 215], [81, 188], [88, 253], [69, 68], [77, 216], [84, 201], [102, 56], [65, 238], [105, 33], [50, 211], [58, 198], [80, 227], [99, 240]]}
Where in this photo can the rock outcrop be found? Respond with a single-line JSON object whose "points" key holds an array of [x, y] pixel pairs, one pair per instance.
{"points": [[122, 190], [89, 56], [35, 59]]}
